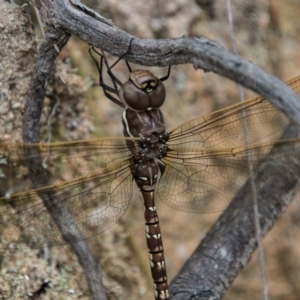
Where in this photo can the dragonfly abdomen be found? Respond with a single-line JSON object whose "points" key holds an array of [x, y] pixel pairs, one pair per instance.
{"points": [[155, 248]]}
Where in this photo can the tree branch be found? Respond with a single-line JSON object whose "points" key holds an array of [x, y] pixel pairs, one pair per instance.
{"points": [[55, 38], [201, 52], [230, 243]]}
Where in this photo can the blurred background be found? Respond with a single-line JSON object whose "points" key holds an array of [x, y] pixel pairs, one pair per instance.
{"points": [[267, 34]]}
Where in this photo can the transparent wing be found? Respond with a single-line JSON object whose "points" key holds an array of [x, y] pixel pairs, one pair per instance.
{"points": [[207, 181], [207, 163], [225, 128], [91, 189]]}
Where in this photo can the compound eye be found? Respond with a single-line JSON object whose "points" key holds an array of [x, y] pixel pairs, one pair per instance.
{"points": [[133, 97]]}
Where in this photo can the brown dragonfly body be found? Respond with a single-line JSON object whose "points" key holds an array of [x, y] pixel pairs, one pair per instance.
{"points": [[196, 167], [142, 96]]}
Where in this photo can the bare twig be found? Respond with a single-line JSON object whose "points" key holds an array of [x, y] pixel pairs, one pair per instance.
{"points": [[262, 262]]}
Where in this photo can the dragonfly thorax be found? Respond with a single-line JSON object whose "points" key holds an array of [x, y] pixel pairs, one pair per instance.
{"points": [[147, 125], [150, 150], [150, 128]]}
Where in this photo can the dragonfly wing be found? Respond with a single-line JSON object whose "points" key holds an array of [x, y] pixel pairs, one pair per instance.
{"points": [[206, 162], [91, 192], [91, 204], [62, 161], [251, 121], [206, 181]]}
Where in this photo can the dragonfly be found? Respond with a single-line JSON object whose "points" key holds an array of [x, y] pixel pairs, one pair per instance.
{"points": [[196, 167]]}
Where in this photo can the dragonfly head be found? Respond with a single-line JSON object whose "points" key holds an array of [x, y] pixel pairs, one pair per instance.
{"points": [[143, 91]]}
